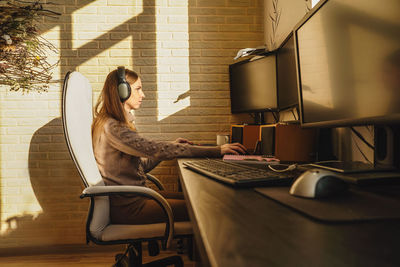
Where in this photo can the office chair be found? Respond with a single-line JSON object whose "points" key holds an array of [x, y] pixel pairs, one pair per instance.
{"points": [[77, 119]]}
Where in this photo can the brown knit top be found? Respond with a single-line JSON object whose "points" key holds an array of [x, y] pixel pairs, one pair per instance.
{"points": [[124, 156]]}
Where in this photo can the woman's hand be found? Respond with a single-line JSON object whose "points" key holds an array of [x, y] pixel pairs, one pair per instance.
{"points": [[183, 141], [235, 148]]}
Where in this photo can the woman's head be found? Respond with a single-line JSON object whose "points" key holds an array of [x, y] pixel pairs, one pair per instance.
{"points": [[135, 99], [109, 103]]}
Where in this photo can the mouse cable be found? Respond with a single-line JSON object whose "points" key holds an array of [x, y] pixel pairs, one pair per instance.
{"points": [[359, 135], [289, 168]]}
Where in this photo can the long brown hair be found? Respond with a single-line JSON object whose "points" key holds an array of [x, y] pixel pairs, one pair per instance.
{"points": [[109, 105]]}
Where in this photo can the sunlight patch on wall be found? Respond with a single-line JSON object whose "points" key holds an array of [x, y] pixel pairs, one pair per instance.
{"points": [[53, 36], [94, 21], [173, 73], [17, 197], [21, 115], [97, 68], [314, 2]]}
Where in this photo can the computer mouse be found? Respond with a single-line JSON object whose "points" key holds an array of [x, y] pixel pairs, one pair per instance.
{"points": [[318, 183]]}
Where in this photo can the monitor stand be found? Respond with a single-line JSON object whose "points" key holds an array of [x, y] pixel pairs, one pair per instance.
{"points": [[259, 118], [351, 166], [386, 154]]}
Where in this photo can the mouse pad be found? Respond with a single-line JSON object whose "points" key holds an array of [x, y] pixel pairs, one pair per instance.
{"points": [[354, 205]]}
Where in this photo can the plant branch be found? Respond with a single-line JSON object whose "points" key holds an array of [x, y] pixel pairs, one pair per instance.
{"points": [[23, 52]]}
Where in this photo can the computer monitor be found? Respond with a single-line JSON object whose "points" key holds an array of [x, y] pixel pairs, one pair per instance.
{"points": [[348, 59], [348, 63], [286, 74], [253, 85]]}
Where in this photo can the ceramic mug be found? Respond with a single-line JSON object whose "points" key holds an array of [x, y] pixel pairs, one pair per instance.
{"points": [[222, 139]]}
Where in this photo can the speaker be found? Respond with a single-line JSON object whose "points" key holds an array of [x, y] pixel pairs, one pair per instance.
{"points": [[251, 137], [387, 145], [237, 134], [258, 139], [267, 133], [287, 142], [293, 143], [124, 89]]}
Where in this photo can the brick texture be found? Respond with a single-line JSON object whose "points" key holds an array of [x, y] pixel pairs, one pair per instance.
{"points": [[181, 49]]}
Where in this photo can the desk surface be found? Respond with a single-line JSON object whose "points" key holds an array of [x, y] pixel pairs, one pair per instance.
{"points": [[240, 227]]}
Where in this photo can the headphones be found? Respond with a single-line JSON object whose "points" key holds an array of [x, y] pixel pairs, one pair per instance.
{"points": [[124, 89]]}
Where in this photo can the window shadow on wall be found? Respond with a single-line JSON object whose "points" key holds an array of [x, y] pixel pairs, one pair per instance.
{"points": [[54, 179]]}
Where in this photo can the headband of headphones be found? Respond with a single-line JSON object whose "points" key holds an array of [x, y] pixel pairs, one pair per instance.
{"points": [[124, 89]]}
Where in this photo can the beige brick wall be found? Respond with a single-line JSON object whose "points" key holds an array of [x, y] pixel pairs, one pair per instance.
{"points": [[181, 49]]}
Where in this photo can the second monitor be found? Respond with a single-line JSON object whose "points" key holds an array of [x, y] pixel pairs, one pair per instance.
{"points": [[265, 83], [253, 85], [286, 74]]}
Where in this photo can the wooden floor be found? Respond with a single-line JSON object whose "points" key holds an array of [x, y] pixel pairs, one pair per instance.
{"points": [[86, 259]]}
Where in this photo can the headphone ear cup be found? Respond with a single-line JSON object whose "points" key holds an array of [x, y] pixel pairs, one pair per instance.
{"points": [[124, 91]]}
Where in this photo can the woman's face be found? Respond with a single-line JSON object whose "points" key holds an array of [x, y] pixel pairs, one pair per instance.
{"points": [[137, 95]]}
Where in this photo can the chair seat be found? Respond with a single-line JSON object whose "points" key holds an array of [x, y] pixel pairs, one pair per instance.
{"points": [[122, 231]]}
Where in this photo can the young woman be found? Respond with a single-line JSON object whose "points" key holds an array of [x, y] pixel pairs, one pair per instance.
{"points": [[124, 156]]}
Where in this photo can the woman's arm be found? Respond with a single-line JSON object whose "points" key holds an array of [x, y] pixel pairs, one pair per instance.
{"points": [[130, 142]]}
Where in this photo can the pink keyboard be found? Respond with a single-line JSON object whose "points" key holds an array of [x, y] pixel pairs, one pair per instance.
{"points": [[248, 158]]}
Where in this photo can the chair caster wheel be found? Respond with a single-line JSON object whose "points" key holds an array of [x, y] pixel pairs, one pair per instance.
{"points": [[181, 246], [153, 248]]}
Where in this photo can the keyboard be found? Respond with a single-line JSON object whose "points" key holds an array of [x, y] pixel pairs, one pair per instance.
{"points": [[239, 175]]}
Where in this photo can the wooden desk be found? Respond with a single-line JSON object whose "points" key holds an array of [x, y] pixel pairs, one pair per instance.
{"points": [[243, 228]]}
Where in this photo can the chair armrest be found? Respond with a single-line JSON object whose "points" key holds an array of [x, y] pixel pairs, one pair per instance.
{"points": [[93, 191], [155, 181]]}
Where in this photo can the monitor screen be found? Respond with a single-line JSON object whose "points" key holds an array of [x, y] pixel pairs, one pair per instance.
{"points": [[253, 85], [286, 75], [348, 63]]}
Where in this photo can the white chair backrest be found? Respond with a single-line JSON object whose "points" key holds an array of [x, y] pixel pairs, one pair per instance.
{"points": [[77, 120]]}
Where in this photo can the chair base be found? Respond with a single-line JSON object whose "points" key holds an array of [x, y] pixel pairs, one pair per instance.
{"points": [[134, 258]]}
